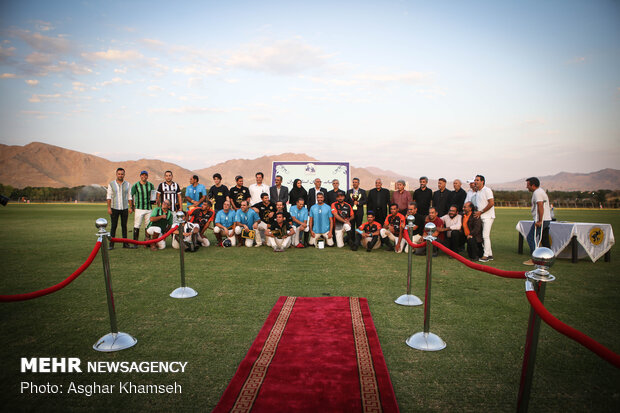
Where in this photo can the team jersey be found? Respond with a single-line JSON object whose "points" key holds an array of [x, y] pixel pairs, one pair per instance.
{"points": [[141, 194], [321, 217], [225, 219], [217, 195], [162, 223], [287, 217], [397, 222], [344, 210], [300, 214], [169, 192], [195, 193], [246, 218], [265, 210], [370, 228], [237, 195], [200, 217], [279, 231]]}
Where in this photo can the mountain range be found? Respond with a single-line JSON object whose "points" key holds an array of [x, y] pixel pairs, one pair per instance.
{"points": [[41, 164]]}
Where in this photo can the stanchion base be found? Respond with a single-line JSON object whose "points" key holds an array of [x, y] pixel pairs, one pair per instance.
{"points": [[115, 342], [183, 292], [426, 342], [408, 300]]}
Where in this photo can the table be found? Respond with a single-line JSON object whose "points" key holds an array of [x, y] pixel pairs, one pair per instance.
{"points": [[586, 239]]}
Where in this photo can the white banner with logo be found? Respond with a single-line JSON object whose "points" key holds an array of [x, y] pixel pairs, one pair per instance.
{"points": [[309, 171], [594, 239]]}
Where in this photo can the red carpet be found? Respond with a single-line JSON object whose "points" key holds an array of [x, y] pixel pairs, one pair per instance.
{"points": [[313, 355]]}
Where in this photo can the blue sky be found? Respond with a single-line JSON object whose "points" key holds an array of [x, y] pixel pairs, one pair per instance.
{"points": [[448, 88]]}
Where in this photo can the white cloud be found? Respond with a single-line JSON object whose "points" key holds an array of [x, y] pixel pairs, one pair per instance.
{"points": [[114, 55], [32, 82], [279, 57], [192, 109], [79, 86], [39, 98], [155, 88], [198, 70], [43, 26], [114, 81], [120, 70], [47, 44], [39, 114], [8, 76], [6, 52]]}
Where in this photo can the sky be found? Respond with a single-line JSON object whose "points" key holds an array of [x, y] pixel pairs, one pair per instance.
{"points": [[506, 89]]}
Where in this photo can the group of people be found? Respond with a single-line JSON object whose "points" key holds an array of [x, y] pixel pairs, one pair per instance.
{"points": [[281, 217]]}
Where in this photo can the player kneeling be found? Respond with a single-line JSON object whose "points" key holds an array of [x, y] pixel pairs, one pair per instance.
{"points": [[279, 234], [160, 222], [224, 225], [392, 230]]}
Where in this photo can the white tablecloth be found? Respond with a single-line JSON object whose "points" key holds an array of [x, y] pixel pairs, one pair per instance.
{"points": [[594, 239]]}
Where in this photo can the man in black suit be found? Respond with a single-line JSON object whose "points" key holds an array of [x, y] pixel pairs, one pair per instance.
{"points": [[379, 202], [278, 192], [313, 191], [356, 197]]}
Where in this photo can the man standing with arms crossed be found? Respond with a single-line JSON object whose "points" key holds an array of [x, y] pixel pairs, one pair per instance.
{"points": [[141, 194], [195, 193], [120, 204], [486, 212]]}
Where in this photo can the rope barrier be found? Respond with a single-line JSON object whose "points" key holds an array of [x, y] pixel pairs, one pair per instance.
{"points": [[479, 267], [589, 343], [59, 286], [406, 236], [153, 241]]}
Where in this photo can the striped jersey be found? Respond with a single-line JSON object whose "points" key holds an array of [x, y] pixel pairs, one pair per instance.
{"points": [[119, 195], [169, 192], [141, 194]]}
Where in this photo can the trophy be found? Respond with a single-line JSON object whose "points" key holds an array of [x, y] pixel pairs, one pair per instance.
{"points": [[247, 233], [355, 197], [277, 233]]}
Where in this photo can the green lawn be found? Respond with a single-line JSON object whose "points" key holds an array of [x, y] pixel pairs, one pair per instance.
{"points": [[481, 317]]}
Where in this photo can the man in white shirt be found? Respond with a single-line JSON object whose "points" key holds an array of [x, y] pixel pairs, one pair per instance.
{"points": [[471, 192], [486, 212], [452, 229], [541, 215], [257, 189]]}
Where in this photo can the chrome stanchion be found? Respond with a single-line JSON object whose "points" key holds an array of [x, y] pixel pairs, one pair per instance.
{"points": [[536, 281], [115, 340], [409, 299], [183, 291], [425, 340]]}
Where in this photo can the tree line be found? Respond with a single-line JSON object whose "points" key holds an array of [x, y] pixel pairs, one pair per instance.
{"points": [[97, 193]]}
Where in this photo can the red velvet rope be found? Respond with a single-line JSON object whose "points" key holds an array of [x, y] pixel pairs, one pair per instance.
{"points": [[406, 236], [490, 270], [59, 286], [589, 343], [153, 241]]}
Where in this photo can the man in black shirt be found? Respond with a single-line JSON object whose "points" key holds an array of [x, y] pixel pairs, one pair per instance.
{"points": [[266, 212], [423, 196], [367, 234], [379, 201], [442, 198], [279, 234], [280, 209], [332, 195], [218, 193], [418, 224], [238, 193], [342, 213], [458, 195]]}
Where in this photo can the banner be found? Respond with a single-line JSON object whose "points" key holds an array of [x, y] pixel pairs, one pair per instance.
{"points": [[309, 171]]}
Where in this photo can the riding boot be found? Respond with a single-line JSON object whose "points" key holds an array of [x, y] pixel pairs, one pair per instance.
{"points": [[387, 244], [306, 238], [218, 236]]}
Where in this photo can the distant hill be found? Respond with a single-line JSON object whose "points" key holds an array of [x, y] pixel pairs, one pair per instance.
{"points": [[566, 181], [40, 164]]}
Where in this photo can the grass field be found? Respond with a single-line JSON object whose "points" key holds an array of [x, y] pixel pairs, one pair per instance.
{"points": [[481, 317]]}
